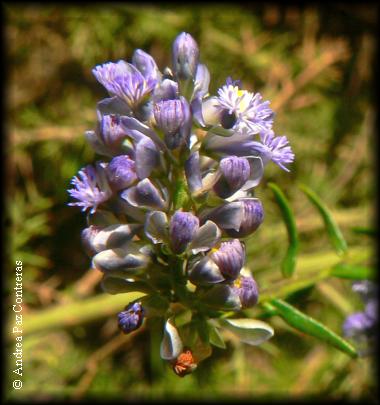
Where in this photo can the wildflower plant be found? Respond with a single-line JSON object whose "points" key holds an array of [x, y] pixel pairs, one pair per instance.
{"points": [[172, 200]]}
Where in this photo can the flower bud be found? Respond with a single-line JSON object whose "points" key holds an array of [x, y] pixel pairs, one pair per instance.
{"points": [[183, 226], [131, 318], [235, 171], [121, 172], [229, 258], [247, 290], [87, 237], [174, 118], [185, 56], [253, 215]]}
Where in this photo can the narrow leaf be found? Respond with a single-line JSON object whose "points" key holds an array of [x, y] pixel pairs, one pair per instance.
{"points": [[216, 338], [362, 230], [289, 263], [352, 272], [312, 327], [332, 228]]}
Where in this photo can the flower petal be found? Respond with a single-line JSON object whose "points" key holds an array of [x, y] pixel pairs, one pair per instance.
{"points": [[250, 331], [257, 171], [127, 259], [227, 216], [147, 157], [96, 143], [205, 272], [114, 236], [156, 226], [207, 236], [112, 105], [222, 297], [171, 344], [144, 195], [202, 81], [193, 172], [137, 130]]}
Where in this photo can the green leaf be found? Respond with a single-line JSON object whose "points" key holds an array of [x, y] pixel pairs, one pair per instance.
{"points": [[362, 230], [332, 228], [289, 263], [310, 326], [216, 338], [352, 272], [250, 331], [183, 318]]}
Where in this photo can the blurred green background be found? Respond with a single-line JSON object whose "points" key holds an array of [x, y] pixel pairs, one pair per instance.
{"points": [[315, 64]]}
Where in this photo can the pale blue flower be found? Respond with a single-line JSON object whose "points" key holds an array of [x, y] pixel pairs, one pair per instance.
{"points": [[91, 188]]}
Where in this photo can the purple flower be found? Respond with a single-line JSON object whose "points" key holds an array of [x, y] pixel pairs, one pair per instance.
{"points": [[360, 326], [235, 172], [110, 131], [271, 147], [278, 149], [356, 324], [131, 318], [183, 227], [90, 188], [108, 137], [121, 172], [238, 110], [235, 83], [173, 117], [238, 218], [229, 258], [253, 216], [124, 80], [185, 54], [246, 288]]}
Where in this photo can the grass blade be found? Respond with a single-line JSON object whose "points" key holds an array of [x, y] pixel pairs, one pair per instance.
{"points": [[332, 228], [352, 272], [310, 326], [289, 263]]}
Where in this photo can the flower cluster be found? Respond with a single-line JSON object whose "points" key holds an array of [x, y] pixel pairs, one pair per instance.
{"points": [[173, 197], [361, 326]]}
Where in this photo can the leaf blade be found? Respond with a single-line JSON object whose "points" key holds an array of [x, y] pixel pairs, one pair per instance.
{"points": [[352, 272], [333, 230], [312, 327], [288, 265]]}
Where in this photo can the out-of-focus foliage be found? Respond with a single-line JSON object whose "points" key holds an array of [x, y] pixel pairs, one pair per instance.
{"points": [[314, 63]]}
